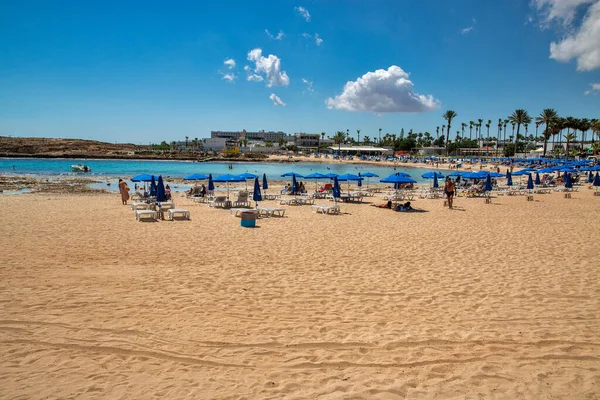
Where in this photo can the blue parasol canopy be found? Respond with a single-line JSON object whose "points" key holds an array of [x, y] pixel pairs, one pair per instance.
{"points": [[195, 177], [538, 181], [247, 175], [331, 175], [228, 178], [160, 190], [457, 173], [153, 187], [292, 174], [369, 175], [476, 175], [530, 183], [436, 184], [397, 178], [265, 184], [336, 188], [521, 172], [509, 181], [349, 177], [144, 178], [546, 170], [488, 184], [315, 175], [596, 180], [295, 188], [211, 185], [256, 196], [568, 181], [432, 175]]}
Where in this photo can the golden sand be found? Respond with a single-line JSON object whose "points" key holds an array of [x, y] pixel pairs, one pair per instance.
{"points": [[488, 301]]}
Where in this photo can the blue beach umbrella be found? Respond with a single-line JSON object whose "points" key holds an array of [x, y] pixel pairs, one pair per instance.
{"points": [[160, 190], [590, 177], [247, 176], [435, 181], [316, 176], [265, 184], [195, 177], [488, 184], [359, 183], [331, 175], [432, 175], [397, 178], [153, 187], [336, 188], [143, 178], [537, 178], [568, 180], [211, 185], [509, 181], [294, 184], [292, 174], [521, 172], [596, 180], [530, 183], [256, 196], [227, 178], [546, 170], [369, 175]]}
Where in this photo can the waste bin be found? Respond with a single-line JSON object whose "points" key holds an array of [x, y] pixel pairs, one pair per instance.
{"points": [[248, 219]]}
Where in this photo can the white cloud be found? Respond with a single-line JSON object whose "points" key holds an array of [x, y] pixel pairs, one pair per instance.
{"points": [[595, 88], [303, 12], [229, 77], [382, 91], [246, 68], [255, 78], [582, 42], [230, 63], [278, 37], [318, 39], [309, 86], [468, 29], [276, 100], [270, 66]]}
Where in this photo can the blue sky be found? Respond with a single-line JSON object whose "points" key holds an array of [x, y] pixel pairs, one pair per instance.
{"points": [[154, 70]]}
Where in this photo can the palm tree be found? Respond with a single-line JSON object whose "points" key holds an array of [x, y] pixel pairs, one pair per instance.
{"points": [[322, 135], [499, 134], [380, 136], [367, 140], [548, 117], [519, 117], [569, 138], [358, 132], [186, 142], [489, 123], [448, 116], [339, 137], [462, 128], [471, 129], [437, 132]]}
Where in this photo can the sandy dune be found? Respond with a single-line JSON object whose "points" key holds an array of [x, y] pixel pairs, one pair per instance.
{"points": [[488, 301]]}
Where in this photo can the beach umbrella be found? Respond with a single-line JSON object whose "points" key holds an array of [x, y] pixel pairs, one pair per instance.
{"points": [[596, 181], [227, 178], [294, 184], [435, 181], [488, 184], [590, 177], [265, 184], [359, 183], [211, 185], [144, 178], [521, 172], [530, 183], [331, 175], [316, 176], [247, 176], [348, 178], [432, 175], [336, 189], [292, 174], [256, 196], [537, 179], [160, 190], [568, 181], [152, 187], [457, 173], [397, 178], [595, 168], [195, 177], [369, 175], [546, 170]]}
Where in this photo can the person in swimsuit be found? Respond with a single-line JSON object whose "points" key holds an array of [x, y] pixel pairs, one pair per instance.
{"points": [[449, 188], [124, 190]]}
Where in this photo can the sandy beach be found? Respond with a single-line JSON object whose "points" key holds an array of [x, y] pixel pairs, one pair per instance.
{"points": [[486, 301]]}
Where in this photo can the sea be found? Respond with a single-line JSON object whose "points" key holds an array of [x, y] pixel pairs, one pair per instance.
{"points": [[109, 171]]}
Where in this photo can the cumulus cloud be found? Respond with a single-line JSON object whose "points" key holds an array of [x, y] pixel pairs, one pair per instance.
{"points": [[303, 12], [230, 63], [269, 66], [229, 77], [255, 78], [276, 100], [468, 29], [595, 88], [309, 86], [383, 91], [582, 42], [279, 36]]}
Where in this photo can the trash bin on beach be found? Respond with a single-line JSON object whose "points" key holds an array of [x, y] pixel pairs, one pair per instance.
{"points": [[248, 219]]}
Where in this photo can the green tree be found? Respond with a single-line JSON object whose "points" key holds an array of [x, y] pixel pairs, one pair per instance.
{"points": [[548, 117], [358, 133], [338, 139], [449, 116], [281, 142], [569, 138], [519, 117]]}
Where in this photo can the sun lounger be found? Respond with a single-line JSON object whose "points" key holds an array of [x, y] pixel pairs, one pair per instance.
{"points": [[173, 212], [333, 210], [237, 212], [218, 202], [242, 200], [146, 214], [271, 212], [140, 206], [271, 196]]}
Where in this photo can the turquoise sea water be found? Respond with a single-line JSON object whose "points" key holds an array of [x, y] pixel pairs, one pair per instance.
{"points": [[111, 169]]}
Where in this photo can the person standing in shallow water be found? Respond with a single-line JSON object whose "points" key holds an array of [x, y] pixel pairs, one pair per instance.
{"points": [[124, 190], [449, 189]]}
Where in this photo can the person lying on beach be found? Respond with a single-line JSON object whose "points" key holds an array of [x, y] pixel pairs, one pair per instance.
{"points": [[384, 205], [404, 207]]}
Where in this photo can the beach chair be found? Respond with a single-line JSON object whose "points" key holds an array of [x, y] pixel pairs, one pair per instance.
{"points": [[271, 212], [242, 200], [146, 215], [173, 212], [218, 202], [330, 210]]}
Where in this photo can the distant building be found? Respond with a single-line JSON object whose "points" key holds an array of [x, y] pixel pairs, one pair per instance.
{"points": [[307, 140], [263, 136], [218, 144]]}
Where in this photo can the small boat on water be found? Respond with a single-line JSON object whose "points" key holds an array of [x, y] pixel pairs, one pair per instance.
{"points": [[80, 168]]}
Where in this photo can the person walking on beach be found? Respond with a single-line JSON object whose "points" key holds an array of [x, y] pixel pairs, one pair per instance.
{"points": [[124, 190], [449, 189]]}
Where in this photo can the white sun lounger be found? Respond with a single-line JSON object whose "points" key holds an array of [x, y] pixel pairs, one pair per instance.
{"points": [[333, 210], [173, 212], [146, 214], [237, 212], [271, 212], [140, 206]]}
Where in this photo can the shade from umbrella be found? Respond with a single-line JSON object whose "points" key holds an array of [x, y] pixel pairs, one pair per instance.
{"points": [[256, 196], [195, 177], [160, 190], [292, 174], [432, 175], [538, 181], [435, 181], [530, 183], [336, 188], [488, 184], [144, 178], [211, 184], [153, 187]]}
